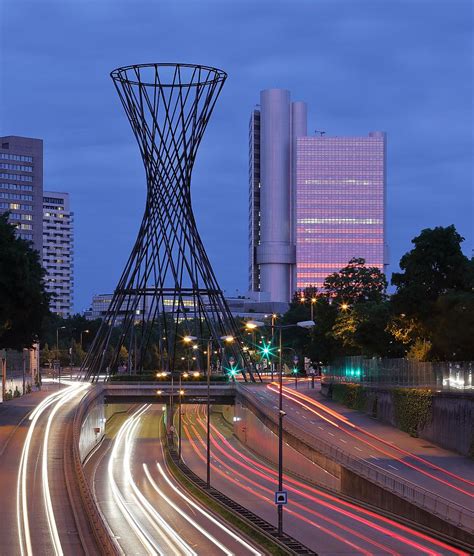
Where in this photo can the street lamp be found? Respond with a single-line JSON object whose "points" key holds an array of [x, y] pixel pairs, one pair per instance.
{"points": [[302, 324], [313, 301], [57, 351], [228, 339], [83, 332]]}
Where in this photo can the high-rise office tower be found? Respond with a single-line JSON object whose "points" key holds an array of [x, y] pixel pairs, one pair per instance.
{"points": [[314, 202], [340, 204], [58, 251], [21, 186]]}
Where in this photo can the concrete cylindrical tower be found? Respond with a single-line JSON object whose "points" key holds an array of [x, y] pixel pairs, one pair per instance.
{"points": [[276, 252]]}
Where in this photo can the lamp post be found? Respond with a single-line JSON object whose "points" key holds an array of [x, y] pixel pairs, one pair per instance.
{"points": [[82, 332], [228, 339], [57, 352], [313, 301], [302, 324], [181, 392]]}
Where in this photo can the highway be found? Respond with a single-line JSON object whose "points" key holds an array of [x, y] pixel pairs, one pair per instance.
{"points": [[147, 511], [36, 512], [323, 522], [388, 449]]}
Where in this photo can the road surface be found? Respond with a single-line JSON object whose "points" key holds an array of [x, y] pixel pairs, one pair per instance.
{"points": [[36, 515], [319, 520], [147, 511]]}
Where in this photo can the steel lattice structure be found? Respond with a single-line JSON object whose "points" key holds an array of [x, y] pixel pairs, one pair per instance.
{"points": [[168, 287]]}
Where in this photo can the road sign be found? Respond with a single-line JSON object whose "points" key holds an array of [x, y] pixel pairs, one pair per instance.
{"points": [[281, 497]]}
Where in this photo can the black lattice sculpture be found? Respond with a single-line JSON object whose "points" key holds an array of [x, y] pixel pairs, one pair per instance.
{"points": [[168, 288]]}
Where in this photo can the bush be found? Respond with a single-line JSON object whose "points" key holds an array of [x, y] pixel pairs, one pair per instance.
{"points": [[16, 393], [412, 409], [353, 396]]}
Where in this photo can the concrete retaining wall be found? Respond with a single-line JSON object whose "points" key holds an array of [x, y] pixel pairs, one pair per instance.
{"points": [[261, 437]]}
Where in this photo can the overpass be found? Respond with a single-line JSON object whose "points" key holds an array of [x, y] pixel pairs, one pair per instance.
{"points": [[163, 392]]}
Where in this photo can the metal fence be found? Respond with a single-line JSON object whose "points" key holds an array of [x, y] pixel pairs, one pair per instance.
{"points": [[446, 375]]}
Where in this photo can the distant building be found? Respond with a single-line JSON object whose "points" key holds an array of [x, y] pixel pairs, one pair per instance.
{"points": [[238, 306], [58, 251], [314, 202], [21, 186]]}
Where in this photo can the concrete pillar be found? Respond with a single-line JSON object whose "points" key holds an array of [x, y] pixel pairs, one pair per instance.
{"points": [[275, 254]]}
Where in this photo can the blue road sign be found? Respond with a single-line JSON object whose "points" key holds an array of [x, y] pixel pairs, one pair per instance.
{"points": [[281, 497]]}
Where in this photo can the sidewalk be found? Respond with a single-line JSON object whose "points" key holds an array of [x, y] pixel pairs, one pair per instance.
{"points": [[14, 412]]}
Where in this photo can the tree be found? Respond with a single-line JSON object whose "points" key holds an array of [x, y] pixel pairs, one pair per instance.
{"points": [[451, 327], [24, 302], [433, 267], [364, 330], [356, 283]]}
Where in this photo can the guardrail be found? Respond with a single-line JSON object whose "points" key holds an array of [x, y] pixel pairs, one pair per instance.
{"points": [[437, 505], [101, 533]]}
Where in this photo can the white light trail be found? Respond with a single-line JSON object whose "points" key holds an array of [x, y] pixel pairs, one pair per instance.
{"points": [[53, 529], [200, 509], [24, 535], [174, 542]]}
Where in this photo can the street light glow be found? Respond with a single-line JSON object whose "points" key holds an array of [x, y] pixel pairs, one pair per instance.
{"points": [[252, 324], [189, 339]]}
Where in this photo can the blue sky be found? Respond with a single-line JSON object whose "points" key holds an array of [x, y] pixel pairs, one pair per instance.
{"points": [[402, 66]]}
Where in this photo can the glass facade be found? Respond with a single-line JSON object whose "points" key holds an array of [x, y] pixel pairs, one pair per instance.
{"points": [[340, 204]]}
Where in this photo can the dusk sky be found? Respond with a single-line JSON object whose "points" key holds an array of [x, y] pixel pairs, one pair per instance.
{"points": [[400, 66]]}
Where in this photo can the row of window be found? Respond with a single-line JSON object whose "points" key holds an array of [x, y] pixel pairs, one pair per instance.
{"points": [[16, 177], [16, 186], [18, 216], [49, 207], [18, 157], [19, 167], [53, 201], [16, 206], [16, 196], [24, 226]]}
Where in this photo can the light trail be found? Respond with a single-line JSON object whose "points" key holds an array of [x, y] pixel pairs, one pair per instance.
{"points": [[183, 514], [53, 529], [141, 534], [354, 507], [174, 542], [24, 533], [211, 518], [375, 437], [290, 396], [268, 498]]}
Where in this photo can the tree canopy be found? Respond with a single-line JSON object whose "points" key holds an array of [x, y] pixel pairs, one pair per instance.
{"points": [[23, 299], [356, 283], [433, 267]]}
